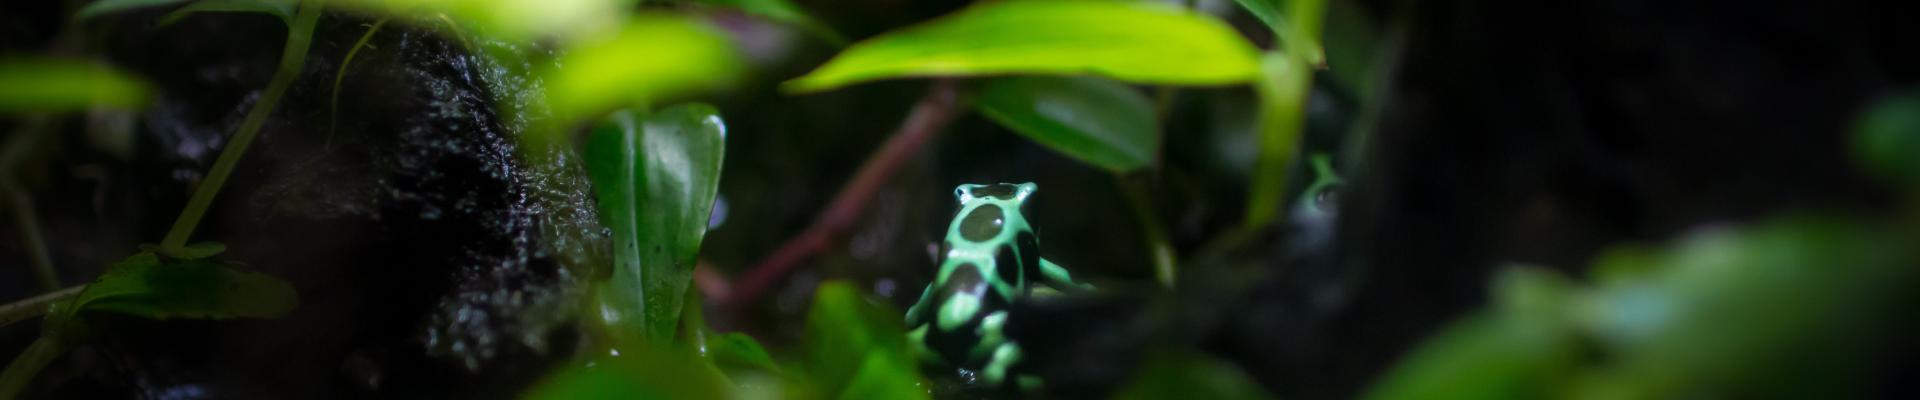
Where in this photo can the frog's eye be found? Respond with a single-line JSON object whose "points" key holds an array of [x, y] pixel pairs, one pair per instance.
{"points": [[964, 193], [1021, 191]]}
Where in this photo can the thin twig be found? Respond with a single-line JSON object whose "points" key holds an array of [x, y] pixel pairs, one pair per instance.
{"points": [[929, 117], [25, 140], [34, 307]]}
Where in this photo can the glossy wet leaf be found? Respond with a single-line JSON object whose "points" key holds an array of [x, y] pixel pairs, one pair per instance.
{"points": [[642, 375], [103, 7], [142, 286], [655, 57], [278, 8], [858, 349], [39, 84], [1097, 121], [1190, 376], [1296, 22], [1140, 42], [655, 180]]}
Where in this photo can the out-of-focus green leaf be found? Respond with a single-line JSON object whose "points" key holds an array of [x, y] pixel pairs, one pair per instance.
{"points": [[1296, 22], [103, 7], [655, 57], [511, 19], [640, 375], [62, 85], [655, 180], [858, 349], [1094, 120], [1513, 352], [141, 285], [189, 252], [1733, 312], [1140, 42], [734, 349], [1886, 140], [1190, 376], [278, 8], [785, 11]]}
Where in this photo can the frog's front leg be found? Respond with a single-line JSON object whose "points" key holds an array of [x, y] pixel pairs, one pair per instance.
{"points": [[1057, 277], [913, 312]]}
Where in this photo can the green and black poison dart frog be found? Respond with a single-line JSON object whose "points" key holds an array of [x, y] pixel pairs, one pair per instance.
{"points": [[991, 260]]}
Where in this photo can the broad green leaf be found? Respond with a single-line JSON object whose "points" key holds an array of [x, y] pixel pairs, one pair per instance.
{"points": [[654, 58], [1886, 140], [784, 11], [1094, 120], [654, 374], [510, 19], [1296, 22], [278, 8], [142, 286], [1140, 42], [34, 84], [858, 349], [1511, 352], [655, 180], [1190, 376], [103, 7]]}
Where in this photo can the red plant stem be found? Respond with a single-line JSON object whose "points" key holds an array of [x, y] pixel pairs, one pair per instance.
{"points": [[929, 117]]}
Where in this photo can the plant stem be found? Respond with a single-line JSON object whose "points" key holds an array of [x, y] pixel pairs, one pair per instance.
{"points": [[35, 306], [929, 117], [292, 58], [333, 103], [24, 139], [21, 371], [1283, 88], [1161, 251]]}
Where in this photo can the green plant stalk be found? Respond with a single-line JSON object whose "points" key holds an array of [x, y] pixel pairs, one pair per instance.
{"points": [[28, 136], [292, 58], [1161, 251], [1283, 93], [333, 103], [21, 371], [35, 306]]}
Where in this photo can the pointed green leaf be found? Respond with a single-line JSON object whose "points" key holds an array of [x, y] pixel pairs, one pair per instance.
{"points": [[141, 285], [278, 8], [655, 180], [103, 7], [736, 349], [34, 84], [655, 57], [1138, 42], [1096, 121]]}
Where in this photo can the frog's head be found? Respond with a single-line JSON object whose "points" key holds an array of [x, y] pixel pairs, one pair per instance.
{"points": [[1009, 192]]}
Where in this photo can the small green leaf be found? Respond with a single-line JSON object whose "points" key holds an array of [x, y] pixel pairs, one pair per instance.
{"points": [[785, 11], [650, 374], [1190, 376], [189, 252], [736, 349], [278, 8], [1296, 22], [655, 181], [1094, 120], [35, 84], [1140, 42], [858, 349], [103, 7], [1886, 140], [656, 57], [142, 286]]}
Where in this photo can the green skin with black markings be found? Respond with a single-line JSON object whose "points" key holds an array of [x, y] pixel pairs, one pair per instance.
{"points": [[991, 260]]}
